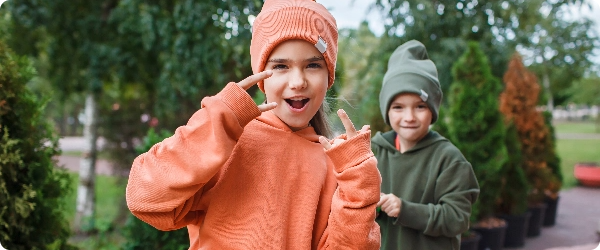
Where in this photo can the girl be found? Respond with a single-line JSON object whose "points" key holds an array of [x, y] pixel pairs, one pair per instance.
{"points": [[242, 176]]}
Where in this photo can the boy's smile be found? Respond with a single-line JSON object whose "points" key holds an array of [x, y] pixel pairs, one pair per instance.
{"points": [[410, 117], [298, 84]]}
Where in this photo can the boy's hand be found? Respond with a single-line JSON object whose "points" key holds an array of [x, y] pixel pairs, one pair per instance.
{"points": [[390, 204], [253, 80], [350, 131]]}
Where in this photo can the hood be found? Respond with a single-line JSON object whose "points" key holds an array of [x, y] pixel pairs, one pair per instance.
{"points": [[386, 140], [272, 120]]}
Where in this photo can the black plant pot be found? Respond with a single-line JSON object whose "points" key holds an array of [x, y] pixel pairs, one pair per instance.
{"points": [[491, 238], [550, 214], [536, 220], [517, 229], [471, 242]]}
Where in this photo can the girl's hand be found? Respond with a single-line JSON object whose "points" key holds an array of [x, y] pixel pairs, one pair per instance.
{"points": [[390, 204], [350, 131], [253, 80]]}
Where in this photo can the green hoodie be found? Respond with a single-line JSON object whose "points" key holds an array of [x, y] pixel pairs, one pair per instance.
{"points": [[437, 187]]}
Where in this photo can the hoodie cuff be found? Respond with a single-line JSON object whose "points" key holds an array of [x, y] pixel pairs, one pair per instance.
{"points": [[351, 152], [414, 215], [240, 102]]}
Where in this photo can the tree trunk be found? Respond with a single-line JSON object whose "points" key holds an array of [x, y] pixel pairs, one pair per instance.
{"points": [[84, 216], [546, 83]]}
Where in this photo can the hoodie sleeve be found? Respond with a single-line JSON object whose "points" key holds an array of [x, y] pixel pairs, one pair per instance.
{"points": [[456, 190], [351, 223], [167, 181]]}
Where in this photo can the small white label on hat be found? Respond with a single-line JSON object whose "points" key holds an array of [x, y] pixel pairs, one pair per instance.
{"points": [[424, 95], [321, 45]]}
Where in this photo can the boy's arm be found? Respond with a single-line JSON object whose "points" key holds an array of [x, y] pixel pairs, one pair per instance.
{"points": [[456, 190], [351, 222], [165, 182]]}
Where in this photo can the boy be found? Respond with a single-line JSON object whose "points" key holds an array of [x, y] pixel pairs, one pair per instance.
{"points": [[427, 184]]}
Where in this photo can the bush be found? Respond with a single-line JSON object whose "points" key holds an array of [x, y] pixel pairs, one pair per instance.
{"points": [[31, 184], [518, 103], [475, 125], [139, 234]]}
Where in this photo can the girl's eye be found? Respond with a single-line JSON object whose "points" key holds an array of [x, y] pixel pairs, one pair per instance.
{"points": [[422, 106], [396, 107], [314, 65], [279, 66]]}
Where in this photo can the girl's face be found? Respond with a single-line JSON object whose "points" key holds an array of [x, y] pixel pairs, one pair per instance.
{"points": [[298, 84], [410, 118]]}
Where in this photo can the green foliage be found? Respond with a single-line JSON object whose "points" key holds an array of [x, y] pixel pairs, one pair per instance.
{"points": [[141, 235], [552, 159], [513, 195], [443, 26], [31, 184], [586, 91], [476, 126]]}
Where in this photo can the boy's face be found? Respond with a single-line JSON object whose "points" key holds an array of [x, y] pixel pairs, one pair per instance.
{"points": [[298, 84], [410, 118]]}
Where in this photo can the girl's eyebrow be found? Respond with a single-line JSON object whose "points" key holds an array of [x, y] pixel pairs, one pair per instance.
{"points": [[282, 60]]}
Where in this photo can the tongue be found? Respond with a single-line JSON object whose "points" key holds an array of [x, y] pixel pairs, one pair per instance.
{"points": [[297, 104]]}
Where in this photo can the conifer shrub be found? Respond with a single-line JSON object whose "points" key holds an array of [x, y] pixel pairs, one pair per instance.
{"points": [[476, 126], [555, 178], [32, 187], [140, 235], [518, 104]]}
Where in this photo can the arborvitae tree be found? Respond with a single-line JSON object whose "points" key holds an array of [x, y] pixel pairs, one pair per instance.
{"points": [[518, 104], [552, 159], [31, 184], [514, 189], [476, 126]]}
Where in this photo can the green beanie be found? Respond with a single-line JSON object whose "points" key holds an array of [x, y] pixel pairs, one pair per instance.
{"points": [[411, 71]]}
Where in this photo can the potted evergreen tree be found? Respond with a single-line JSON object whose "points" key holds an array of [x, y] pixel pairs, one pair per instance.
{"points": [[518, 103], [476, 127], [555, 178]]}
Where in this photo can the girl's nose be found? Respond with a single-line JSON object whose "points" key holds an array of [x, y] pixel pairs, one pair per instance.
{"points": [[297, 80]]}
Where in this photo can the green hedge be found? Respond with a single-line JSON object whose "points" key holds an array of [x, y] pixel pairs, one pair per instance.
{"points": [[31, 186]]}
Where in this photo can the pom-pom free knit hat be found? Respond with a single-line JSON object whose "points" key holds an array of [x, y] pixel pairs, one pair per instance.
{"points": [[281, 20], [411, 71]]}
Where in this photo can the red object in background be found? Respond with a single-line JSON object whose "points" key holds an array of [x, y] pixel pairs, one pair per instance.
{"points": [[588, 174]]}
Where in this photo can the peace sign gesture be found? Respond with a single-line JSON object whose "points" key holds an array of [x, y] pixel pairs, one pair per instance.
{"points": [[253, 80], [350, 131]]}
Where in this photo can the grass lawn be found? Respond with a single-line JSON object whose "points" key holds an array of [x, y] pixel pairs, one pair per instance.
{"points": [[588, 127], [110, 193], [572, 151]]}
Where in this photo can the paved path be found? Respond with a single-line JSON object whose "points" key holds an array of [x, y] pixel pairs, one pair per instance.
{"points": [[577, 222]]}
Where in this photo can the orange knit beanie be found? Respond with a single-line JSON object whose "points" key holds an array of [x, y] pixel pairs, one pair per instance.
{"points": [[281, 20]]}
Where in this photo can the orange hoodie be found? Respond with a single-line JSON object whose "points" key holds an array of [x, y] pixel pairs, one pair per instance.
{"points": [[241, 180]]}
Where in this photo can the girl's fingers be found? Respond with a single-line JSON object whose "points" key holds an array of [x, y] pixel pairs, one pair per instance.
{"points": [[350, 130], [325, 142], [254, 79], [267, 106]]}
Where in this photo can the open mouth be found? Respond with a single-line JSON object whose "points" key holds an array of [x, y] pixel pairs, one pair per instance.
{"points": [[297, 103]]}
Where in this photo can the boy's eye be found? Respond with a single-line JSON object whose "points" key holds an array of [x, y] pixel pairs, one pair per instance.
{"points": [[422, 106], [396, 107]]}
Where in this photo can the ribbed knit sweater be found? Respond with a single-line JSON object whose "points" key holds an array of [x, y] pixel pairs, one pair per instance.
{"points": [[239, 179]]}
